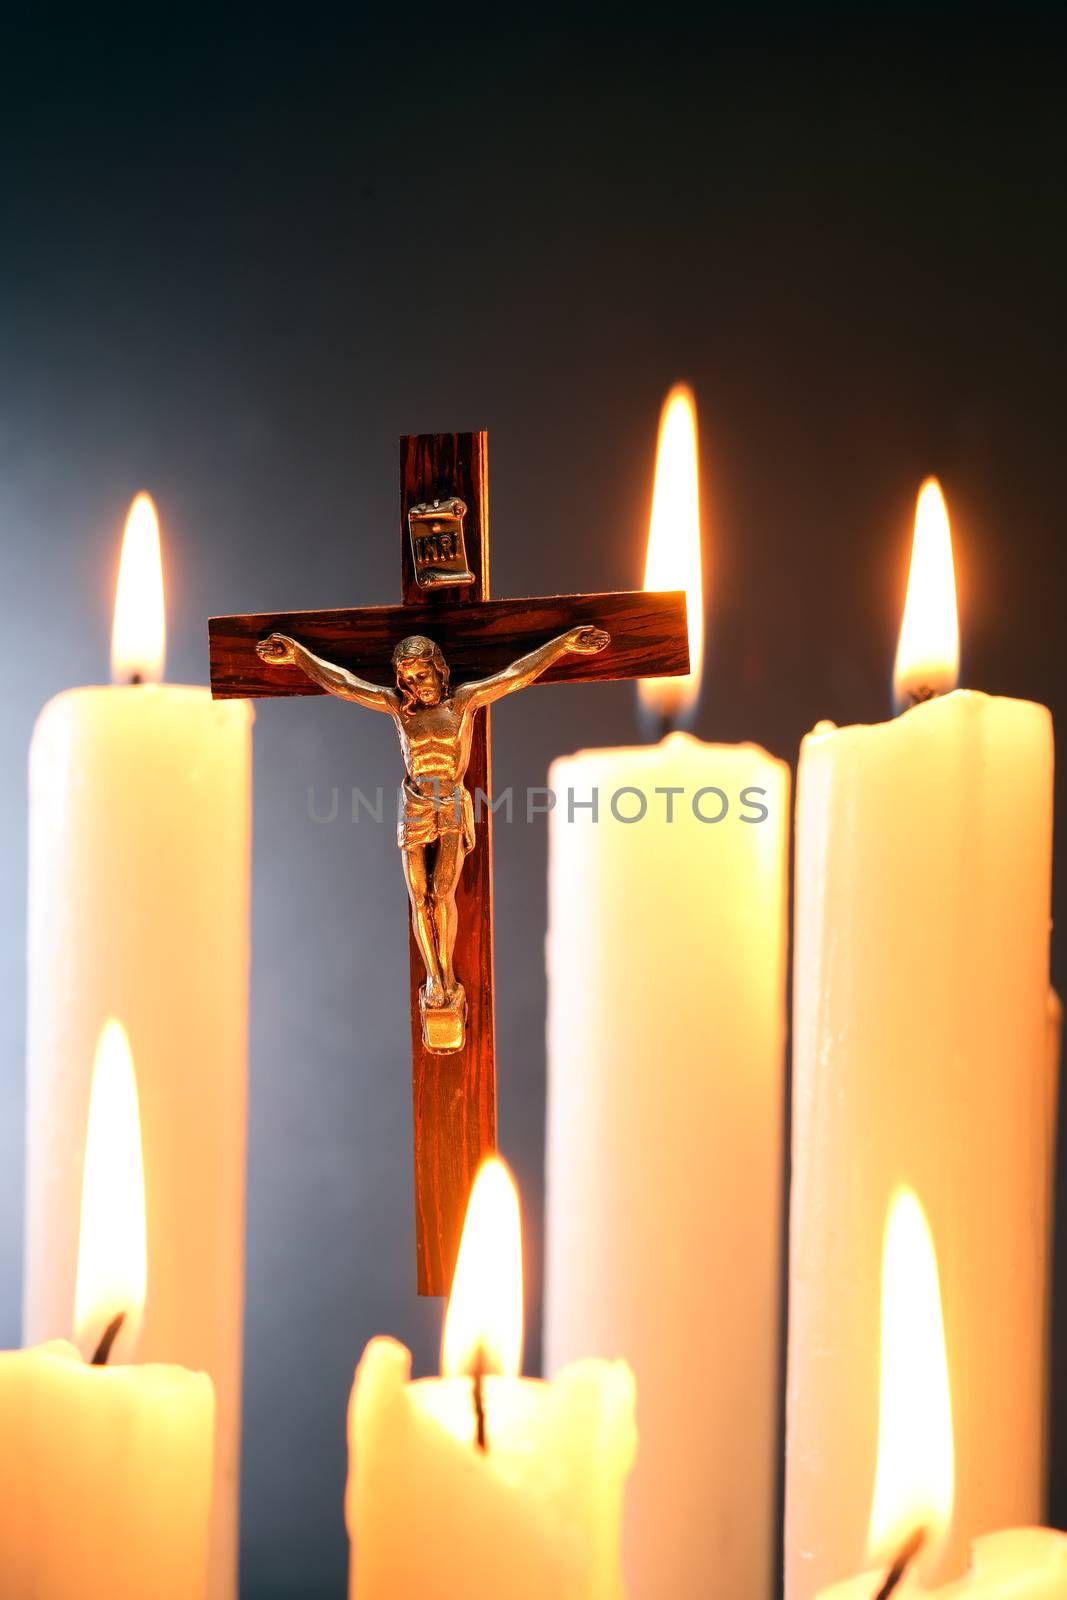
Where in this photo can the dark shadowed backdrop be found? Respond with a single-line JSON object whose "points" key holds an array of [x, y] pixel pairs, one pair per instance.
{"points": [[236, 264]]}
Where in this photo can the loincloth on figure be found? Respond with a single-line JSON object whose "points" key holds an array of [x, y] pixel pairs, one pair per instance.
{"points": [[424, 818]]}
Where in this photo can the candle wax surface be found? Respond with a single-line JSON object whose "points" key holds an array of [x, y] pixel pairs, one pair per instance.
{"points": [[105, 1478], [536, 1516]]}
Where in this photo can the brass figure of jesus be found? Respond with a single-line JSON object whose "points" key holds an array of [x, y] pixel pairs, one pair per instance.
{"points": [[435, 821]]}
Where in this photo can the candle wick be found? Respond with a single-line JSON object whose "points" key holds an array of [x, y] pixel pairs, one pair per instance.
{"points": [[110, 1334], [901, 1564], [911, 697], [654, 722], [478, 1369], [135, 678]]}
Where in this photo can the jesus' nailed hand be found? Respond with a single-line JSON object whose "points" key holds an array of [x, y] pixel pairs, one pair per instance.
{"points": [[435, 829]]}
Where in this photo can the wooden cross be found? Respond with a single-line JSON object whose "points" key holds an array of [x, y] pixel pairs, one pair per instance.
{"points": [[445, 589]]}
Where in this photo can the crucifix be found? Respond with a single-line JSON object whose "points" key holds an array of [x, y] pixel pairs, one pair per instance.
{"points": [[435, 664]]}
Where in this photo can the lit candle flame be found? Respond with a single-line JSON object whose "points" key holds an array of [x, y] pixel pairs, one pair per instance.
{"points": [[915, 1476], [928, 652], [483, 1325], [673, 560], [112, 1252], [139, 633]]}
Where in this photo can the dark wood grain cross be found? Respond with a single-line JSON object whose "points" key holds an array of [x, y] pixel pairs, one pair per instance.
{"points": [[445, 590]]}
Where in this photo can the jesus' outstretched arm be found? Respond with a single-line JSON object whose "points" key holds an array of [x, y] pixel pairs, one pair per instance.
{"points": [[584, 641], [279, 650]]}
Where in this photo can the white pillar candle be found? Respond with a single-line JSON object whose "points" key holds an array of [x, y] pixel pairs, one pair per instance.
{"points": [[533, 1516], [666, 1026], [666, 966], [920, 1055], [140, 809], [105, 1478]]}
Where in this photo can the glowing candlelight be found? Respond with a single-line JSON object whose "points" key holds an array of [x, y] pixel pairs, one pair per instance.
{"points": [[112, 1254], [673, 559], [105, 1475], [928, 650], [915, 1476], [483, 1326], [139, 629], [914, 1484]]}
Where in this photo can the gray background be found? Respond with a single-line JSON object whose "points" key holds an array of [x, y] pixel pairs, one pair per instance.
{"points": [[237, 265]]}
